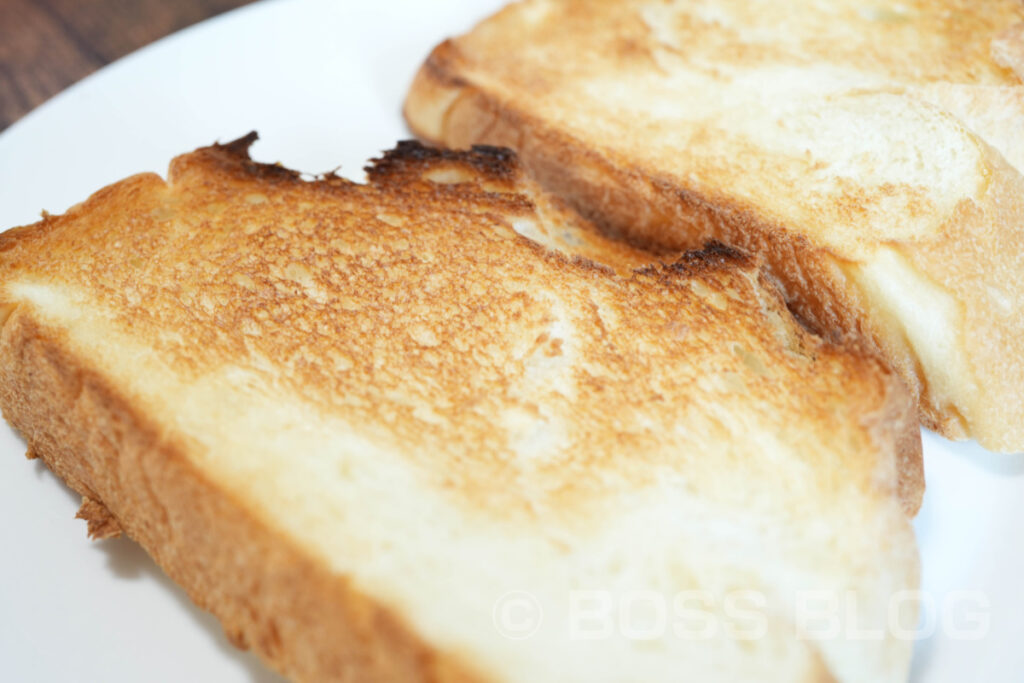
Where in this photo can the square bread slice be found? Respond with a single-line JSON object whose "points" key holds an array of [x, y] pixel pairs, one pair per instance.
{"points": [[406, 430]]}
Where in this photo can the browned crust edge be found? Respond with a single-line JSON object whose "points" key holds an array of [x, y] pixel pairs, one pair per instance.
{"points": [[443, 108], [300, 618]]}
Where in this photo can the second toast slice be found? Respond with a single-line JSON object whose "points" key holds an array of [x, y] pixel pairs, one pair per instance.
{"points": [[870, 153]]}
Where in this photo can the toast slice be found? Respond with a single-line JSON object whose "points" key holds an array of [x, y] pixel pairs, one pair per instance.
{"points": [[384, 436], [871, 153]]}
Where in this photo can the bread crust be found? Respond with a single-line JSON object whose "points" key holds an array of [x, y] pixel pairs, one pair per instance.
{"points": [[270, 597]]}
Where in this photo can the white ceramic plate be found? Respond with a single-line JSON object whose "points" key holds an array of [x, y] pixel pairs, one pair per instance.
{"points": [[322, 81]]}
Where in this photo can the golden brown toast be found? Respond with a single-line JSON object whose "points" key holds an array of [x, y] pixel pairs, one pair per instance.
{"points": [[353, 419], [870, 152]]}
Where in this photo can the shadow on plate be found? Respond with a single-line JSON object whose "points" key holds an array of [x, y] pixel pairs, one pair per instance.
{"points": [[998, 464], [920, 665]]}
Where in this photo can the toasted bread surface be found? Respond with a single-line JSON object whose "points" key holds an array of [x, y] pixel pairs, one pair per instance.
{"points": [[350, 418], [869, 153]]}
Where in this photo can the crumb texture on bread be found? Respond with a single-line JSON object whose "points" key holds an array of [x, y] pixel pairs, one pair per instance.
{"points": [[836, 139], [350, 418]]}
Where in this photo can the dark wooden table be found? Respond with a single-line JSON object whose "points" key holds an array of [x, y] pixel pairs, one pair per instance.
{"points": [[46, 45]]}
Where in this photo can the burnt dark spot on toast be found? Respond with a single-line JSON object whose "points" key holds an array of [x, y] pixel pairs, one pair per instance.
{"points": [[714, 256], [234, 156], [411, 157]]}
